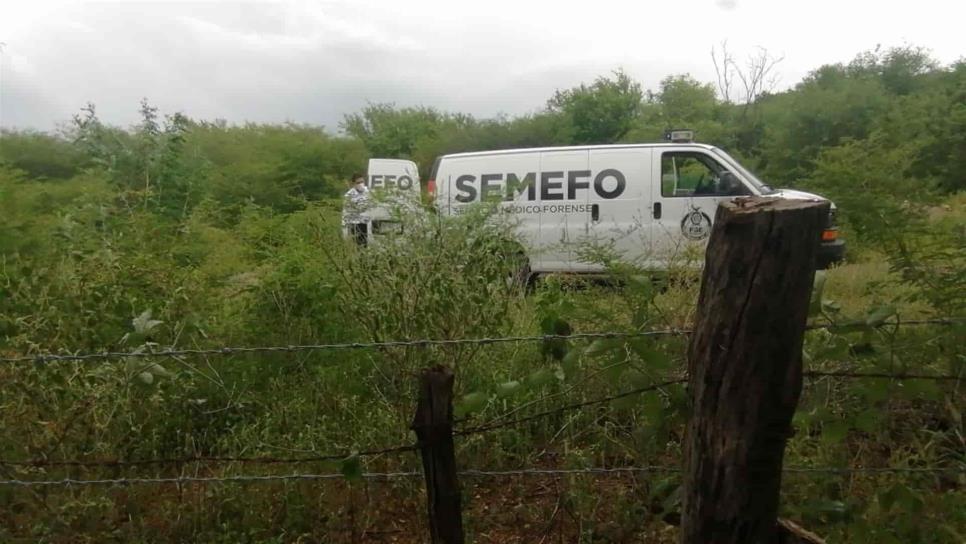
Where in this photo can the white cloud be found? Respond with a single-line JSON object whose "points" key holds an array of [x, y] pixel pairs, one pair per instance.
{"points": [[316, 61], [302, 30]]}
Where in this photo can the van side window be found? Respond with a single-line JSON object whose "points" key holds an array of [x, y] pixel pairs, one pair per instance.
{"points": [[686, 173]]}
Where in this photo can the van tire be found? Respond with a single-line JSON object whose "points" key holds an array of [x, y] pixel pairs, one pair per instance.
{"points": [[521, 275]]}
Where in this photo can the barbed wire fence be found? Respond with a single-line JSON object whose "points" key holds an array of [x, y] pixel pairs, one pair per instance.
{"points": [[471, 473], [497, 423], [425, 342], [502, 421], [44, 358]]}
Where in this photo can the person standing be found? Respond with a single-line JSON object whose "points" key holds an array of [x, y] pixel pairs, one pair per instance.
{"points": [[356, 201]]}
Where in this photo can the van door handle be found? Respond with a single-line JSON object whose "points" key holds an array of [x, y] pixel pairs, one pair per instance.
{"points": [[595, 212], [657, 210]]}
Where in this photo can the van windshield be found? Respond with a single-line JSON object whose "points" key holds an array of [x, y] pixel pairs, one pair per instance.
{"points": [[761, 186]]}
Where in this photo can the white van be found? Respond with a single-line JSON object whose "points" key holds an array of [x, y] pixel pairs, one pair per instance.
{"points": [[392, 183], [646, 202]]}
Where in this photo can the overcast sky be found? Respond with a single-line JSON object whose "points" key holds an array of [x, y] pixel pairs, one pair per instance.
{"points": [[313, 62]]}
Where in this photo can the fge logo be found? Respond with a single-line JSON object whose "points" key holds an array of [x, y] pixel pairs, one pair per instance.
{"points": [[695, 225], [377, 181]]}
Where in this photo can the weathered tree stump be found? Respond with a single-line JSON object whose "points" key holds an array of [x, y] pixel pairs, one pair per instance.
{"points": [[745, 365], [433, 424]]}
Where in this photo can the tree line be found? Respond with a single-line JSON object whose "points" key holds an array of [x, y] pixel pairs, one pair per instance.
{"points": [[883, 135], [897, 99]]}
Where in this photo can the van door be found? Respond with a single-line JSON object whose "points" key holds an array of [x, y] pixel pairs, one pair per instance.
{"points": [[689, 184], [562, 189], [393, 175], [394, 185], [620, 200]]}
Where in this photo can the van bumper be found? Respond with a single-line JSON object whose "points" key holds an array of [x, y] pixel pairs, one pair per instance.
{"points": [[830, 253]]}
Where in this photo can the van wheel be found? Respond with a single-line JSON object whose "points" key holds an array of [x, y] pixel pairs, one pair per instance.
{"points": [[517, 270], [520, 275]]}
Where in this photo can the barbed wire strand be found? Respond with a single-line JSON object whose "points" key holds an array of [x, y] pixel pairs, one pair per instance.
{"points": [[495, 423], [470, 473], [45, 358], [209, 459], [224, 351], [68, 482], [887, 375], [489, 426]]}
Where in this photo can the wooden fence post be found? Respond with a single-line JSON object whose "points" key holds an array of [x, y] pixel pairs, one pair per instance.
{"points": [[745, 367], [433, 424]]}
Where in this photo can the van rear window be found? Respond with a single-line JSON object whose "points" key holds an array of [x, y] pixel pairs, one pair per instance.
{"points": [[387, 227]]}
